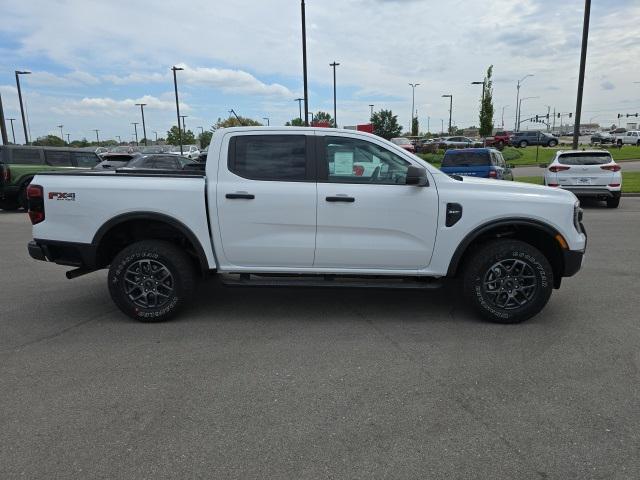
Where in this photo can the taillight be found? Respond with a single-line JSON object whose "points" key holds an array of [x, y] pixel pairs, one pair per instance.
{"points": [[358, 170], [493, 174], [553, 185], [611, 168], [614, 184], [558, 168], [35, 196]]}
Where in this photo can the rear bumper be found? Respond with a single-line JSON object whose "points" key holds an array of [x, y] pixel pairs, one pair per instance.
{"points": [[600, 192], [63, 253]]}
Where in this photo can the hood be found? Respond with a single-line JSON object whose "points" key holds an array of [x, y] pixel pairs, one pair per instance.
{"points": [[491, 185]]}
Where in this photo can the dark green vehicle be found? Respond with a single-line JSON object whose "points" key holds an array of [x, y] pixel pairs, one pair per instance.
{"points": [[19, 164]]}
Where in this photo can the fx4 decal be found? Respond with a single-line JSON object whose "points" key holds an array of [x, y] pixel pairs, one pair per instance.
{"points": [[62, 196]]}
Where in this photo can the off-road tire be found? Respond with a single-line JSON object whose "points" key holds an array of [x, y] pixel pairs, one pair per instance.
{"points": [[613, 202], [486, 295], [138, 271]]}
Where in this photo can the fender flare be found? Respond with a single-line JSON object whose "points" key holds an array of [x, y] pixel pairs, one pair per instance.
{"points": [[484, 228], [158, 217]]}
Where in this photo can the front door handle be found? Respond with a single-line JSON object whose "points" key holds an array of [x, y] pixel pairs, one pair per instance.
{"points": [[245, 196], [340, 198]]}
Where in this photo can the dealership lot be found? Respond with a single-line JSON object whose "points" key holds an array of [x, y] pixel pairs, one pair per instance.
{"points": [[297, 383]]}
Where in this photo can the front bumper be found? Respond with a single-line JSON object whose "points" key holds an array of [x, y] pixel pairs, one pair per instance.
{"points": [[572, 262]]}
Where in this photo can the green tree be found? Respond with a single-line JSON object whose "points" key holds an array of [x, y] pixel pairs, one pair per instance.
{"points": [[296, 122], [385, 124], [486, 105], [49, 141], [232, 121], [205, 139], [415, 127], [324, 117], [173, 137]]}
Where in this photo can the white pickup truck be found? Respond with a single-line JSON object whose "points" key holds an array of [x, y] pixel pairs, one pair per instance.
{"points": [[305, 206], [630, 137]]}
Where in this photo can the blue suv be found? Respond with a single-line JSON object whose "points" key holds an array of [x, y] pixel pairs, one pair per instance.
{"points": [[476, 162]]}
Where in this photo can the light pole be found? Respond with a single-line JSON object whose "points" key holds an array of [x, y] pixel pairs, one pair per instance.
{"points": [[201, 130], [299, 100], [520, 109], [119, 139], [450, 97], [24, 121], [483, 89], [312, 118], [144, 127], [413, 101], [175, 86], [304, 64], [68, 139], [61, 134], [3, 125], [135, 128], [156, 134], [335, 118], [97, 136], [371, 107], [13, 132], [267, 119], [518, 101], [503, 115], [442, 126], [184, 128], [583, 61]]}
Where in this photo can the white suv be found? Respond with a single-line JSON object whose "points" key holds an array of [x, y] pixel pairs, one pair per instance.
{"points": [[586, 173]]}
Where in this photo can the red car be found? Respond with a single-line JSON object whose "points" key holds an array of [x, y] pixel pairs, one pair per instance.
{"points": [[405, 143]]}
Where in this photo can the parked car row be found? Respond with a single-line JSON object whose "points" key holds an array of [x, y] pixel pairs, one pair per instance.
{"points": [[189, 151]]}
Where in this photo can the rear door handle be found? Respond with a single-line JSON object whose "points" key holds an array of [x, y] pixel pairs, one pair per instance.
{"points": [[245, 196], [340, 198]]}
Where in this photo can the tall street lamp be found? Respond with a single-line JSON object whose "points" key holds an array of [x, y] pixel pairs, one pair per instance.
{"points": [[520, 109], [335, 118], [583, 62], [97, 136], [135, 128], [450, 97], [13, 132], [503, 115], [518, 100], [156, 134], [267, 119], [3, 125], [119, 139], [299, 100], [184, 128], [61, 134], [144, 127], [24, 122], [175, 86], [371, 107], [483, 89], [68, 138], [304, 64], [413, 101]]}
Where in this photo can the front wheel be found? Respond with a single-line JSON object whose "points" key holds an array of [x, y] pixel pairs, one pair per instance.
{"points": [[552, 143], [151, 280], [523, 144], [508, 281]]}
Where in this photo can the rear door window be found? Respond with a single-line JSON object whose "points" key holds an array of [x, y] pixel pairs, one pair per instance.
{"points": [[57, 158], [26, 156], [269, 157]]}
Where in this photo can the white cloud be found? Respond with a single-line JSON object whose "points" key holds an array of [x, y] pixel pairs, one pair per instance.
{"points": [[94, 106]]}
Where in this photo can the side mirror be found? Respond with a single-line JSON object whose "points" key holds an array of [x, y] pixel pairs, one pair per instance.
{"points": [[543, 165], [417, 176]]}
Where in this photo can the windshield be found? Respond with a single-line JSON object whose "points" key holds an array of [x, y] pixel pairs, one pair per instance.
{"points": [[401, 141], [586, 158], [466, 159]]}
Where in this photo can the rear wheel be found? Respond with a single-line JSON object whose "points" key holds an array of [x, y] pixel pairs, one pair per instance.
{"points": [[613, 202], [508, 281], [523, 144], [552, 143], [151, 280]]}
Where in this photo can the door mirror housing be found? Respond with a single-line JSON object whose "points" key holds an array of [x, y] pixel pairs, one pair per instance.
{"points": [[417, 176]]}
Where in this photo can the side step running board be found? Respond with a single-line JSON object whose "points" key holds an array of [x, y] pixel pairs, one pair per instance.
{"points": [[329, 281]]}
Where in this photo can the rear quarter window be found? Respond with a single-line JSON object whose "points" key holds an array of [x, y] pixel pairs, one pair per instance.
{"points": [[85, 159], [25, 156]]}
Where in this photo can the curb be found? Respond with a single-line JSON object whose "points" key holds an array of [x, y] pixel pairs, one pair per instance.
{"points": [[630, 194]]}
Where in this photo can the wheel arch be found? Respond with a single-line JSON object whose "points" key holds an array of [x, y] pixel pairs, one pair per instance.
{"points": [[122, 230], [536, 233]]}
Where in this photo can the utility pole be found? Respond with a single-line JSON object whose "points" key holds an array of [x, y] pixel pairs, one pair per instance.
{"points": [[413, 101], [553, 128], [267, 119], [24, 121], [583, 61], [97, 136], [450, 109], [144, 128], [335, 118], [503, 115], [175, 86], [299, 100], [61, 134], [371, 107], [304, 64], [135, 127], [3, 125], [13, 132], [428, 120]]}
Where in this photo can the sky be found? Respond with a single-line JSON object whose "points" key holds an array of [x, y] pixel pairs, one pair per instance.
{"points": [[92, 61]]}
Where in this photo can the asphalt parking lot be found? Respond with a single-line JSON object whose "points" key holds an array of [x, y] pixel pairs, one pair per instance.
{"points": [[297, 383]]}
